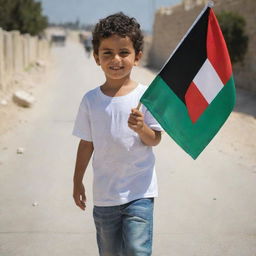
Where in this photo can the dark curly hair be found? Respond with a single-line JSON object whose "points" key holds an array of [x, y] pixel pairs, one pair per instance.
{"points": [[121, 25]]}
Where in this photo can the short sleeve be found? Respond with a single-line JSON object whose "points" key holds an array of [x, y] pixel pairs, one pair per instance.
{"points": [[82, 126], [150, 120]]}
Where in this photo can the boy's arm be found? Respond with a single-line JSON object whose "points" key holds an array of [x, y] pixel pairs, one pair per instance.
{"points": [[84, 153], [147, 135]]}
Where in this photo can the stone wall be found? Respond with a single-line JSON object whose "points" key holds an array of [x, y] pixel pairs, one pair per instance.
{"points": [[172, 23], [18, 52]]}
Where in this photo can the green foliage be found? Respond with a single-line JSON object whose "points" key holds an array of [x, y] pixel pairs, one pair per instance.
{"points": [[23, 15], [233, 28]]}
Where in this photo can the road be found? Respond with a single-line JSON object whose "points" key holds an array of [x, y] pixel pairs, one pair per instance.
{"points": [[205, 207]]}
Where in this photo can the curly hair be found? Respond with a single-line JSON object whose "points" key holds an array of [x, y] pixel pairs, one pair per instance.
{"points": [[121, 25]]}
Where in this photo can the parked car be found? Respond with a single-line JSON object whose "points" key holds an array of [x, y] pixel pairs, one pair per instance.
{"points": [[58, 39]]}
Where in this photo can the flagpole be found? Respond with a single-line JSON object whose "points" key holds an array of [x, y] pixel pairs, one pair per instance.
{"points": [[139, 104], [209, 4]]}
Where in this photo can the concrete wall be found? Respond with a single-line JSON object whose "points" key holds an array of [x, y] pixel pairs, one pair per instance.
{"points": [[18, 52], [2, 67], [172, 23]]}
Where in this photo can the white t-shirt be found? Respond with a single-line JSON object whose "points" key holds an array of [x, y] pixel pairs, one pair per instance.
{"points": [[123, 167]]}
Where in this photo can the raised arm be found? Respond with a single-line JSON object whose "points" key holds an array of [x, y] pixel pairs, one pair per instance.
{"points": [[148, 136], [84, 153]]}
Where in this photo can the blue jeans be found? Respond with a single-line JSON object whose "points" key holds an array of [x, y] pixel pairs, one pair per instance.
{"points": [[125, 230]]}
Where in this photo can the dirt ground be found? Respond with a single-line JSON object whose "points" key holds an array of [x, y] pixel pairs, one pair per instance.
{"points": [[31, 81]]}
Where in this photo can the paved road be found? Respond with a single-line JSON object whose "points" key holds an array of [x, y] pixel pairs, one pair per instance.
{"points": [[206, 207]]}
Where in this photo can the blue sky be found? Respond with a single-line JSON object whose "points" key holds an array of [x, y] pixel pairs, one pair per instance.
{"points": [[89, 11]]}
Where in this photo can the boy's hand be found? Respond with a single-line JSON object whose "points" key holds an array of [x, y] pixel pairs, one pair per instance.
{"points": [[147, 135], [136, 121], [79, 195]]}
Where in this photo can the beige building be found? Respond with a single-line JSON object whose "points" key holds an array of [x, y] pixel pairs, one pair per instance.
{"points": [[171, 24]]}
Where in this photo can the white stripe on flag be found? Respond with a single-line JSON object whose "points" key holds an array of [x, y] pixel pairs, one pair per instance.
{"points": [[208, 81]]}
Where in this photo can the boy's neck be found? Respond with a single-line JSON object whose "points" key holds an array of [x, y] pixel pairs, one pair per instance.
{"points": [[113, 87]]}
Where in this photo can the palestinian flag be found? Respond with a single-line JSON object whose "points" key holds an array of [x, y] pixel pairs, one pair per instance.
{"points": [[194, 93]]}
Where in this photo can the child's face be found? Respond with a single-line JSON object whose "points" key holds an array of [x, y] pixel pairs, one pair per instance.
{"points": [[117, 57]]}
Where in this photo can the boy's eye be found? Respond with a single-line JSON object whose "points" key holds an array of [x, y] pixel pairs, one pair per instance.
{"points": [[124, 52], [107, 52]]}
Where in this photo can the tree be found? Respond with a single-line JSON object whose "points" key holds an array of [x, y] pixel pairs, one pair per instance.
{"points": [[233, 28], [23, 15]]}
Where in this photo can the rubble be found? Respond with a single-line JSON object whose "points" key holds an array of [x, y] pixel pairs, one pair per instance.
{"points": [[20, 151], [35, 204], [41, 63], [23, 99]]}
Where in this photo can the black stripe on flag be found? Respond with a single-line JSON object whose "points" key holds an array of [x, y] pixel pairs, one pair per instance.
{"points": [[188, 58]]}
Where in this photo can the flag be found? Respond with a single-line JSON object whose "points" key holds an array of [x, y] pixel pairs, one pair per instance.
{"points": [[194, 93]]}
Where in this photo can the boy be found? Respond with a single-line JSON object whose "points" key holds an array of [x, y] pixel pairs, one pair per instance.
{"points": [[121, 138]]}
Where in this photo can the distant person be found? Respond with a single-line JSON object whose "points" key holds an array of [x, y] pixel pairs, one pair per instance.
{"points": [[121, 138], [88, 45], [81, 38]]}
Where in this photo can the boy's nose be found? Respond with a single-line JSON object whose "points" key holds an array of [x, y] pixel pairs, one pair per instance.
{"points": [[116, 57]]}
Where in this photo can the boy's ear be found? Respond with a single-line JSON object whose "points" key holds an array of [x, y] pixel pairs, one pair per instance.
{"points": [[137, 58], [96, 57]]}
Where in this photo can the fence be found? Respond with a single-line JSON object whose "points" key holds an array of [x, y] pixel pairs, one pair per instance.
{"points": [[18, 52]]}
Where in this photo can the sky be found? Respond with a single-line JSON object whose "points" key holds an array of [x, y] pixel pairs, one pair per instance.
{"points": [[90, 11]]}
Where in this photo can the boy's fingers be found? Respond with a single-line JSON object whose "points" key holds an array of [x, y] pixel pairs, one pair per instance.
{"points": [[135, 118], [132, 121], [136, 112], [135, 123], [134, 127], [80, 203]]}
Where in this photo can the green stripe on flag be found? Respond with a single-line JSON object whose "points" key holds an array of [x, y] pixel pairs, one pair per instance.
{"points": [[173, 116]]}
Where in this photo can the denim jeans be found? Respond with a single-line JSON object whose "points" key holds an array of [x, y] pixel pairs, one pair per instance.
{"points": [[125, 230]]}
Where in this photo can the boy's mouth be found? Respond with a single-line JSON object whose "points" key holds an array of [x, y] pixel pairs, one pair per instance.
{"points": [[115, 68]]}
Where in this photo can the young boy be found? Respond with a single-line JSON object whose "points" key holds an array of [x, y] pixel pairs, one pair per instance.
{"points": [[121, 138]]}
